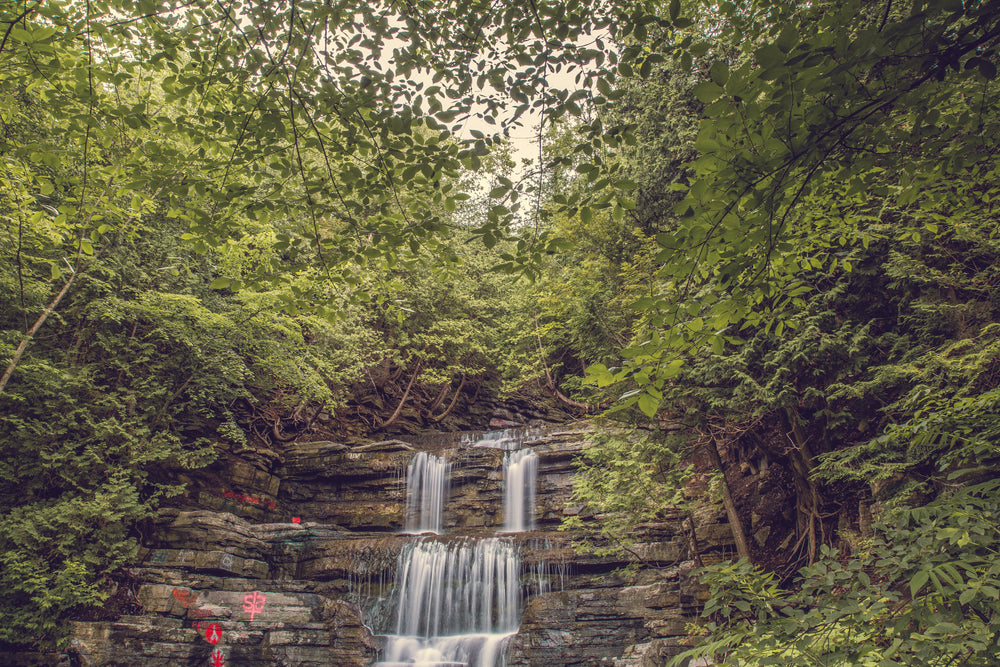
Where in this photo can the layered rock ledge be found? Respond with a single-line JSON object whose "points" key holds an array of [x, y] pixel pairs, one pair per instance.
{"points": [[290, 559]]}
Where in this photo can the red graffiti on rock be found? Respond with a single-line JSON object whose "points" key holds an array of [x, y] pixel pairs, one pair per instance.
{"points": [[213, 633], [185, 597], [253, 500], [253, 603], [190, 602], [218, 658]]}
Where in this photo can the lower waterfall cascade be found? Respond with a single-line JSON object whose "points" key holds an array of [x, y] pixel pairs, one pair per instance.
{"points": [[458, 602]]}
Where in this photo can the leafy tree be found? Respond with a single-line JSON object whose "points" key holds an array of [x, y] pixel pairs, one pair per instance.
{"points": [[817, 103], [824, 306], [924, 591], [197, 198]]}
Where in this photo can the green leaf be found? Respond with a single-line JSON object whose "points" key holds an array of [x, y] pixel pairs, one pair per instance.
{"points": [[918, 581], [788, 38], [42, 34], [719, 72], [769, 55], [220, 283], [648, 404], [707, 91]]}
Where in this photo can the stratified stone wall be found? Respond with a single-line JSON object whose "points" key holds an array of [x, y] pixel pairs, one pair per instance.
{"points": [[270, 559]]}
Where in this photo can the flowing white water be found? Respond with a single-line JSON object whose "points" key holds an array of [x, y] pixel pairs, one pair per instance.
{"points": [[520, 472], [508, 439], [427, 483], [458, 602]]}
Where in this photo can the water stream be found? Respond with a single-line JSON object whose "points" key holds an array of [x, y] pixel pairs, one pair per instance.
{"points": [[458, 602]]}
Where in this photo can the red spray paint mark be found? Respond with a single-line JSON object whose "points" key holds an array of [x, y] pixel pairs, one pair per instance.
{"points": [[296, 519], [218, 658], [189, 600], [253, 603], [213, 633], [253, 500], [186, 598]]}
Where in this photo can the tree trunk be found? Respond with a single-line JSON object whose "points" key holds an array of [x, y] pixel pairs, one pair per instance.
{"points": [[739, 534], [693, 551], [808, 497], [26, 340]]}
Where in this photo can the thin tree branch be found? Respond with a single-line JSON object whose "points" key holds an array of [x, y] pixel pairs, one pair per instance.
{"points": [[17, 19]]}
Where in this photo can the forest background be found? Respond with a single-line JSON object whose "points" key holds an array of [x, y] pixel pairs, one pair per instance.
{"points": [[761, 233]]}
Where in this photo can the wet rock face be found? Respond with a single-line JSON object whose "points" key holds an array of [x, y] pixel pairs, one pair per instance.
{"points": [[292, 559]]}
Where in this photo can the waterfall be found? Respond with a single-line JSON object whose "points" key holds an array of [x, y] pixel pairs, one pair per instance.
{"points": [[458, 602], [427, 481], [520, 470]]}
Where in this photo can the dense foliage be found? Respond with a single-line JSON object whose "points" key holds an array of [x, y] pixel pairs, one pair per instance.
{"points": [[824, 316], [763, 232], [160, 296]]}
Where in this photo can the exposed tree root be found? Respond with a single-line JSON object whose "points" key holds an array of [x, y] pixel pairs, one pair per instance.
{"points": [[454, 400], [439, 399], [551, 385], [402, 401]]}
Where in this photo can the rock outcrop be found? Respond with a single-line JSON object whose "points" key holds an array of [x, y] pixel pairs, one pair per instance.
{"points": [[290, 559]]}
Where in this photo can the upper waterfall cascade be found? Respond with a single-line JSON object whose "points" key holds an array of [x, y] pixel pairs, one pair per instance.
{"points": [[520, 472], [427, 482]]}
